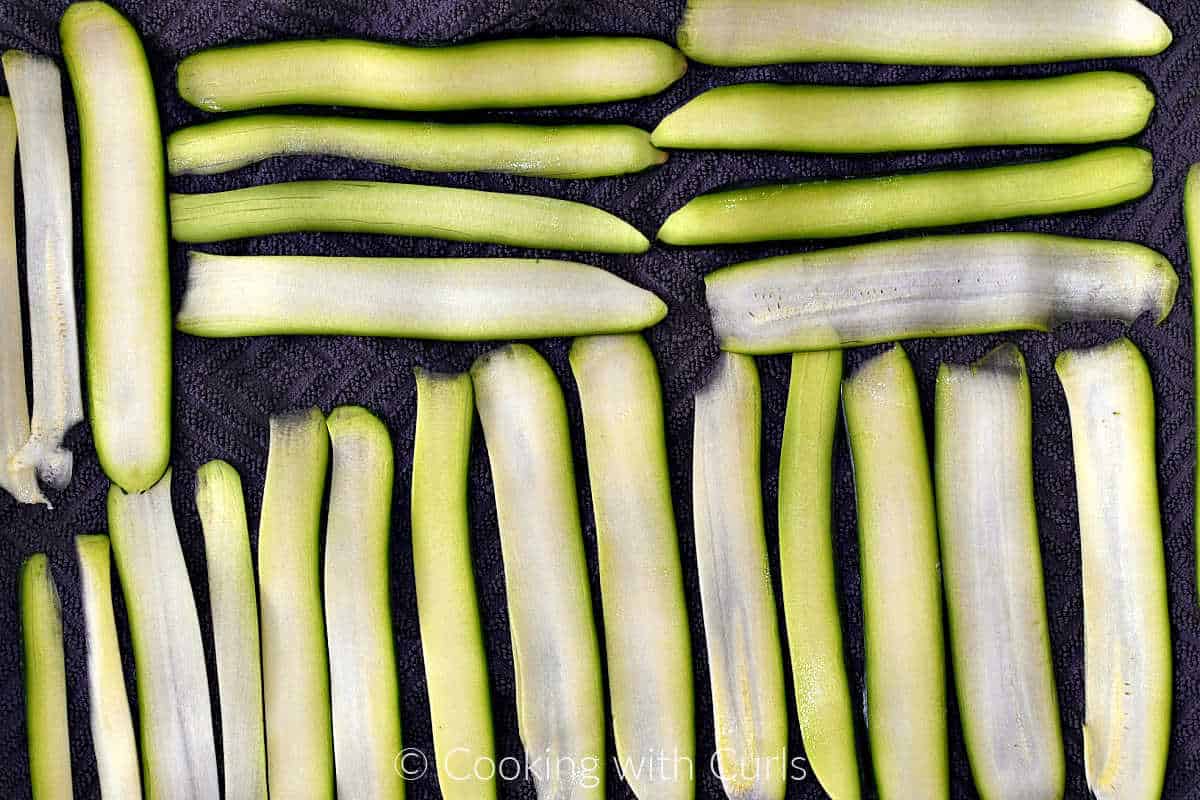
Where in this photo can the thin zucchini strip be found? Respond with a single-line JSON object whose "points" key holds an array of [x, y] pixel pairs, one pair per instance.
{"points": [[549, 151], [810, 604], [128, 293], [641, 579], [358, 615], [111, 721], [460, 701], [179, 757], [860, 206], [431, 298], [1191, 215], [992, 569], [934, 286], [401, 209], [1071, 109], [295, 661], [45, 682], [971, 33], [19, 480], [1126, 627], [901, 587], [502, 74], [556, 655], [234, 604], [36, 88], [744, 654]]}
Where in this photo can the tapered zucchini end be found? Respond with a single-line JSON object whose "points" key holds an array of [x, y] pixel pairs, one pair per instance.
{"points": [[355, 422], [92, 547]]}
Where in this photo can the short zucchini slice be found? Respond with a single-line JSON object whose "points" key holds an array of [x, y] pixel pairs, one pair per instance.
{"points": [[1126, 624], [933, 286], [901, 587], [556, 654], [992, 571], [646, 629], [45, 682], [745, 658]]}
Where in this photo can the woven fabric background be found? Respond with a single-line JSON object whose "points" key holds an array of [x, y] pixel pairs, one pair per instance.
{"points": [[225, 390]]}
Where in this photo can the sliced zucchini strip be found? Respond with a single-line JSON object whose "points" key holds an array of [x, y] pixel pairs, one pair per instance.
{"points": [[992, 569], [901, 587], [1070, 109], [971, 33], [234, 602], [111, 720], [128, 293], [810, 604], [294, 657], [1191, 214], [401, 209], [36, 88], [556, 655], [425, 298], [502, 74], [179, 757], [641, 579], [1126, 627], [460, 701], [745, 659], [358, 615], [860, 206], [45, 682], [933, 286], [548, 151]]}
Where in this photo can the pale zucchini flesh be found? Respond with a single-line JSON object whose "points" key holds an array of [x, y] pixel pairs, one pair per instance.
{"points": [[1191, 215], [460, 702], [861, 206], [933, 286], [549, 151], [127, 286], [641, 578], [450, 299], [501, 74], [401, 209], [968, 33], [45, 682], [556, 654], [992, 572], [1126, 623], [806, 561], [745, 658], [1071, 109], [901, 587]]}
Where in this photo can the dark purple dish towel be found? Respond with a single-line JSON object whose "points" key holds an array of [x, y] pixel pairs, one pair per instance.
{"points": [[225, 390]]}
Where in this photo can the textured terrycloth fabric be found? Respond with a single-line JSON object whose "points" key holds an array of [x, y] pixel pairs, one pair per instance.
{"points": [[225, 390]]}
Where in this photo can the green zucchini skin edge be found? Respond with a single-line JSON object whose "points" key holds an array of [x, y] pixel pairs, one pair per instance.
{"points": [[1191, 214], [45, 682]]}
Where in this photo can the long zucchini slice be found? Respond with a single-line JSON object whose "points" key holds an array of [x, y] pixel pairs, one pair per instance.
{"points": [[179, 757], [641, 578], [234, 603], [401, 209], [358, 615], [556, 655], [901, 587], [295, 661], [548, 151], [810, 604], [460, 701], [860, 206], [111, 721], [36, 87], [1191, 215], [992, 570], [427, 298], [933, 286], [1126, 626], [745, 658], [971, 33], [128, 293], [45, 682], [1072, 109], [502, 74]]}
